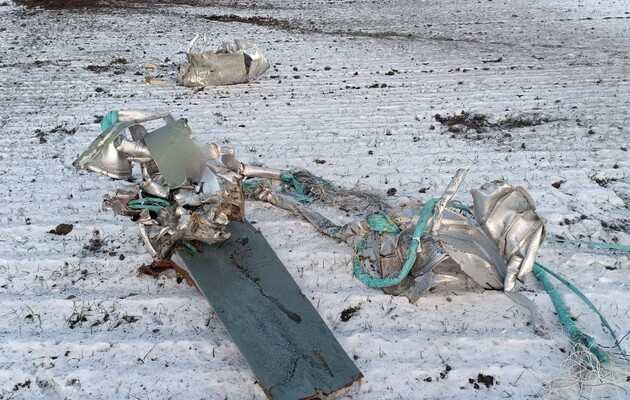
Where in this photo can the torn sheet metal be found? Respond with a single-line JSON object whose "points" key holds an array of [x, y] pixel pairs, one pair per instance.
{"points": [[232, 63], [508, 216], [103, 156], [186, 192], [498, 243]]}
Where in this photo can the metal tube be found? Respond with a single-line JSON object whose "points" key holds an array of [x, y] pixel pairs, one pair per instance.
{"points": [[450, 191], [135, 150]]}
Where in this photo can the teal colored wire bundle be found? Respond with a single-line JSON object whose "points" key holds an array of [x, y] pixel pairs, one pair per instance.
{"points": [[539, 271], [148, 203], [375, 282], [575, 334], [302, 195]]}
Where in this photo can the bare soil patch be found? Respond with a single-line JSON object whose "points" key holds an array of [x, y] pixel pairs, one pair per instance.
{"points": [[467, 122], [102, 4]]}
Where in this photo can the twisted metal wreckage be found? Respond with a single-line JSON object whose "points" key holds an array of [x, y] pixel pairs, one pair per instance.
{"points": [[189, 207]]}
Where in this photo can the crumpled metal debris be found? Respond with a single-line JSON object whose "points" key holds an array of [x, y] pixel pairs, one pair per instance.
{"points": [[232, 63], [187, 192], [190, 193], [497, 244], [494, 244]]}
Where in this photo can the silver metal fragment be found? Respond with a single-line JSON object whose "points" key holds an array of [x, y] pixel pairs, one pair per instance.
{"points": [[232, 63], [446, 198], [186, 193], [508, 216]]}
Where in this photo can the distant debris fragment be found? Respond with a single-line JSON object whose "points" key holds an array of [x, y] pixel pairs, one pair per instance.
{"points": [[153, 81], [494, 60], [232, 63]]}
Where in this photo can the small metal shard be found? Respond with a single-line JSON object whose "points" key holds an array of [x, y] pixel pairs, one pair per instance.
{"points": [[446, 198]]}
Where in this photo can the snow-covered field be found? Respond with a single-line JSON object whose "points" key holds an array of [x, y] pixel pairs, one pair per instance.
{"points": [[354, 85]]}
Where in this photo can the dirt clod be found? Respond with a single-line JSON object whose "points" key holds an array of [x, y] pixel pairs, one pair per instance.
{"points": [[482, 379], [447, 369], [95, 242], [464, 120], [349, 313], [41, 136], [25, 384], [487, 380], [62, 229], [494, 60]]}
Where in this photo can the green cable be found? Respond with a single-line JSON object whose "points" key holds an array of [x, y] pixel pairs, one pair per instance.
{"points": [[381, 223], [584, 299], [460, 206], [575, 334], [603, 245], [148, 203], [374, 282]]}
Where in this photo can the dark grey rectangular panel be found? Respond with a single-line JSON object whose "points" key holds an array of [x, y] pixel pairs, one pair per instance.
{"points": [[282, 337]]}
